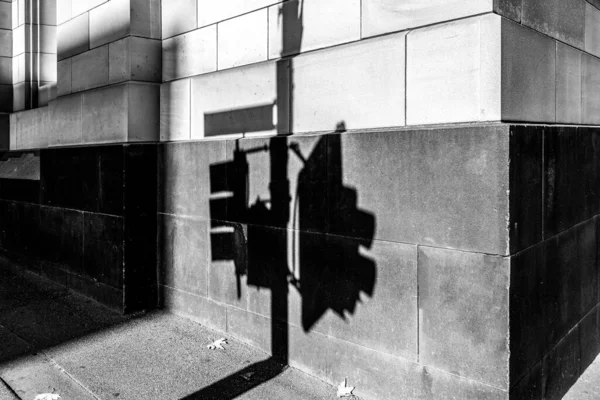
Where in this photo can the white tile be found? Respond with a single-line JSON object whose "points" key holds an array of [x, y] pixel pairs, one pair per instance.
{"points": [[19, 68], [109, 22], [323, 23], [135, 58], [233, 91], [40, 67], [453, 71], [382, 16], [18, 96], [6, 43], [144, 112], [6, 11], [178, 16], [15, 15], [105, 113], [6, 70], [29, 132], [41, 12], [46, 94], [592, 29], [90, 69], [46, 35], [528, 74], [64, 77], [81, 6], [145, 18], [122, 113], [63, 11], [73, 36], [490, 89], [66, 120], [146, 60], [359, 85], [210, 12], [48, 39], [47, 67], [119, 61], [242, 40], [568, 84], [190, 54], [18, 41], [175, 110], [590, 90], [21, 7]]}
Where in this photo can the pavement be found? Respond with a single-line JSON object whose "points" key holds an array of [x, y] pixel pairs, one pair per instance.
{"points": [[53, 341]]}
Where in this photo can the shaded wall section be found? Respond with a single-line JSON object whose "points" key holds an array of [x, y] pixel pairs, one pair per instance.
{"points": [[380, 243], [87, 221]]}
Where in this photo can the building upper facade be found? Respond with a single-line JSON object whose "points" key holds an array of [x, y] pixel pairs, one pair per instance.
{"points": [[110, 71]]}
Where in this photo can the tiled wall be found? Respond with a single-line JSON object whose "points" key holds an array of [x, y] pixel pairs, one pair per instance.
{"points": [[476, 69]]}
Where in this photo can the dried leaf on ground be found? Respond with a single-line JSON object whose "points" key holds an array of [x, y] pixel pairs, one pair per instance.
{"points": [[217, 344], [343, 390], [247, 375]]}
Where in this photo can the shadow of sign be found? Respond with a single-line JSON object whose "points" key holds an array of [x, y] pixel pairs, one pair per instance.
{"points": [[242, 120], [309, 241], [331, 273]]}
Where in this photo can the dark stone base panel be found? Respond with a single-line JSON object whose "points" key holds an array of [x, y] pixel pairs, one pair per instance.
{"points": [[554, 311], [24, 190], [553, 376], [444, 187], [84, 178], [382, 376], [110, 297], [572, 177], [92, 215]]}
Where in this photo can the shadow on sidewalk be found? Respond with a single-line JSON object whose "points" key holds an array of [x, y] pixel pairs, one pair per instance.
{"points": [[36, 313]]}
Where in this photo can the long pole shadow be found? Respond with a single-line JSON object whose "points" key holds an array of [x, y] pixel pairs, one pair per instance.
{"points": [[333, 273]]}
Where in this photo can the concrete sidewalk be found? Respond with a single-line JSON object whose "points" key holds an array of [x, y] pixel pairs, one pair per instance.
{"points": [[53, 341]]}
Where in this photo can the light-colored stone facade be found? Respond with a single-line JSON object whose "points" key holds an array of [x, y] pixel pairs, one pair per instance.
{"points": [[469, 61]]}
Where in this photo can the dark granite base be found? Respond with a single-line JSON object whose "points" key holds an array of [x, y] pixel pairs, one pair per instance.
{"points": [[443, 262]]}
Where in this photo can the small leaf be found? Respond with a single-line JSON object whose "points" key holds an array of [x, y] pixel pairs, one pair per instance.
{"points": [[217, 344], [343, 390], [247, 375], [47, 396]]}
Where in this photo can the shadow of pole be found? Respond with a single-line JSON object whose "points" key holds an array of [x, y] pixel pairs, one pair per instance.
{"points": [[333, 272], [279, 215]]}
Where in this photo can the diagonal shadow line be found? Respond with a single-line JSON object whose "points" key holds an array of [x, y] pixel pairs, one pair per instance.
{"points": [[4, 384], [236, 384]]}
